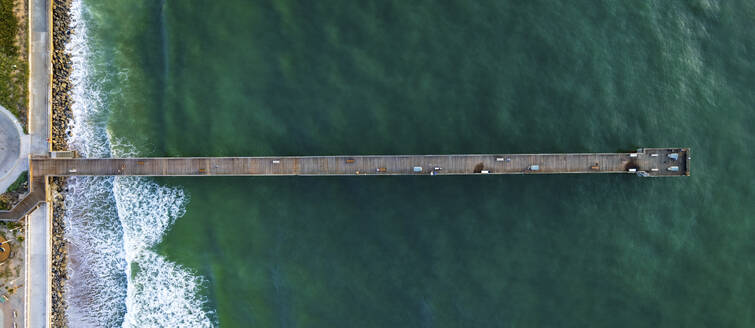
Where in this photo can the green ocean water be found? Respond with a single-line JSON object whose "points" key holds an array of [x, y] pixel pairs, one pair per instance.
{"points": [[237, 77]]}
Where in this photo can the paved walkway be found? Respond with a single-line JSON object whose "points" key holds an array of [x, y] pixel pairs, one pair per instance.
{"points": [[38, 239], [40, 69], [14, 149]]}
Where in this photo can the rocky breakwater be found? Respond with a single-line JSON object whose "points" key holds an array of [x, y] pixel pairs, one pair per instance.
{"points": [[61, 115], [61, 72], [59, 253]]}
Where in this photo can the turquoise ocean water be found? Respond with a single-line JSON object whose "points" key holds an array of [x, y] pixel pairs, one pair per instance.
{"points": [[237, 77]]}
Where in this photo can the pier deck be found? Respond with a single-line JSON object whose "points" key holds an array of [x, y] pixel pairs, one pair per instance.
{"points": [[646, 162], [641, 161]]}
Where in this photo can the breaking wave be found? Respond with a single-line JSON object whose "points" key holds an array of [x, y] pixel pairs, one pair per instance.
{"points": [[112, 224]]}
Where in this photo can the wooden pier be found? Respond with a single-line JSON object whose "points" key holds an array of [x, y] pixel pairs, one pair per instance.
{"points": [[650, 162]]}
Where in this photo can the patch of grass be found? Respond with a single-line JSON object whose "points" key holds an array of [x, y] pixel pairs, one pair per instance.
{"points": [[11, 224], [13, 91], [23, 177], [8, 27], [14, 71]]}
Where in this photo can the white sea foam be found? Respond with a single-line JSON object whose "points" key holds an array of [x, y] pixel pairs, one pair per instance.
{"points": [[96, 289], [88, 129], [111, 223], [160, 293], [171, 302], [146, 210]]}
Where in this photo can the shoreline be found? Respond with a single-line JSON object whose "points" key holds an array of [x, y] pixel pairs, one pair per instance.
{"points": [[61, 114]]}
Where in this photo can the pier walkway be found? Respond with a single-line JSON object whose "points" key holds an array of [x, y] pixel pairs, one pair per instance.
{"points": [[653, 162]]}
